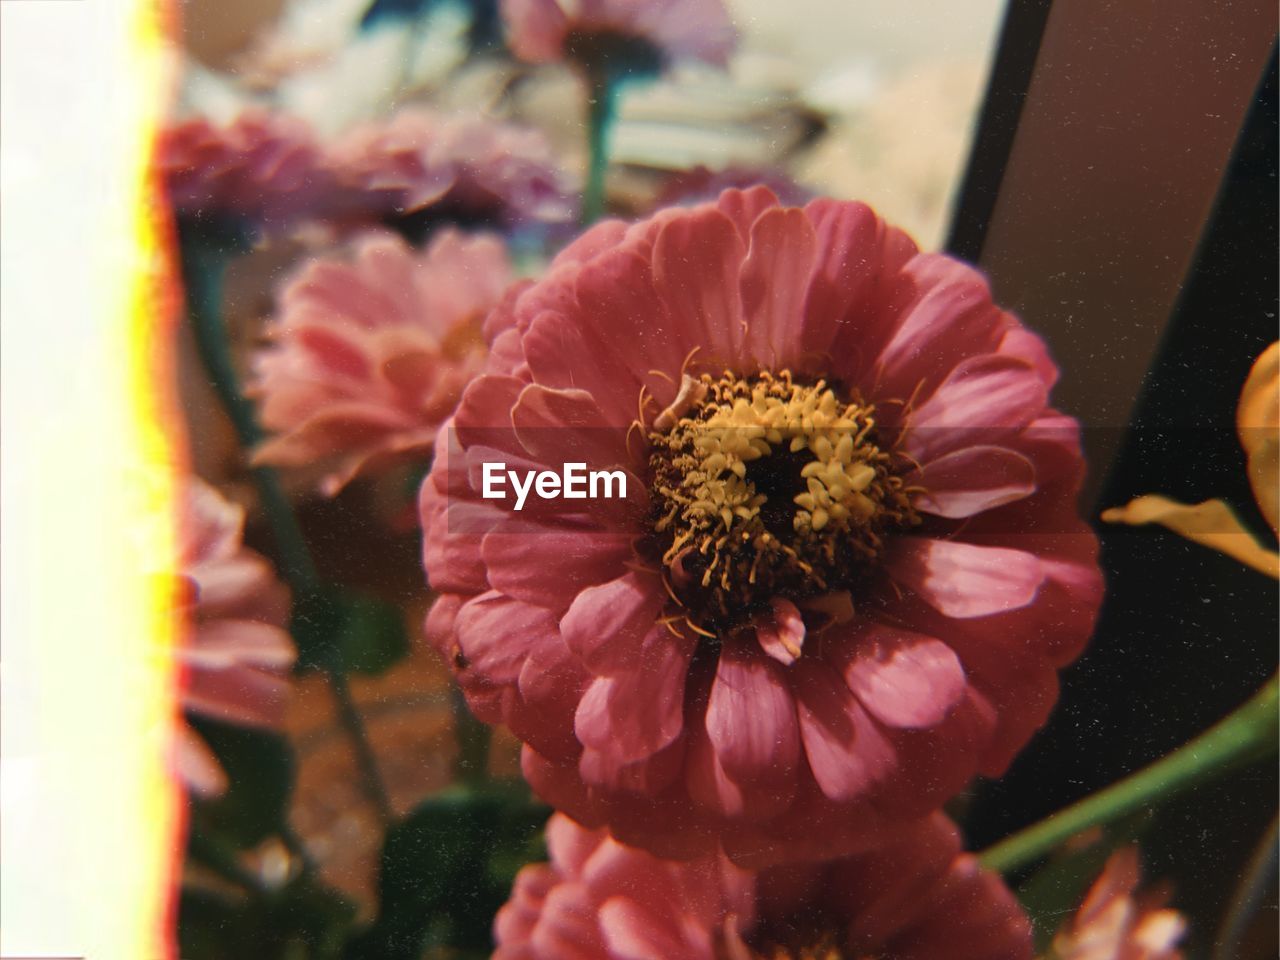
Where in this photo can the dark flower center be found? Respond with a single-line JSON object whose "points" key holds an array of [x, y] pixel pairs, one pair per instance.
{"points": [[804, 941], [824, 947], [766, 487]]}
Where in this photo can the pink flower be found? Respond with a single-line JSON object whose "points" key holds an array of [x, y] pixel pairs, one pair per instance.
{"points": [[917, 898], [264, 169], [704, 185], [237, 655], [467, 168], [542, 31], [1114, 924], [848, 565], [369, 356], [268, 172]]}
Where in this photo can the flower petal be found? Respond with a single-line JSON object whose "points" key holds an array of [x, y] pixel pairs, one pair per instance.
{"points": [[780, 632], [1212, 524], [606, 624], [632, 931], [751, 718], [905, 679], [696, 260], [972, 480], [963, 579], [634, 715], [982, 399], [773, 284], [564, 426], [949, 317], [550, 566], [1258, 424], [848, 753], [493, 633]]}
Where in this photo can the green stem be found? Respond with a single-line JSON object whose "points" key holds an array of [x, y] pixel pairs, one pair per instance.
{"points": [[602, 110], [472, 763], [367, 762], [204, 270], [204, 267], [1247, 734]]}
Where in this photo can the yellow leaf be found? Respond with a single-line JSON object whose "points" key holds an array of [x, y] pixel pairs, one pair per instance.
{"points": [[1258, 423], [1211, 524]]}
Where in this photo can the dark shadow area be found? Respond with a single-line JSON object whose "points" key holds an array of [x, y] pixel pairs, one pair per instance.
{"points": [[1185, 635]]}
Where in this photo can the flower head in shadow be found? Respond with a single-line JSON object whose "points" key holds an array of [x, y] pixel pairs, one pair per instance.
{"points": [[451, 167], [237, 655], [262, 172], [916, 897]]}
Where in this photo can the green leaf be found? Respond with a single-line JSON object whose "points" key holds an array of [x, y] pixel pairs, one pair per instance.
{"points": [[447, 868], [259, 767], [352, 633], [302, 921]]}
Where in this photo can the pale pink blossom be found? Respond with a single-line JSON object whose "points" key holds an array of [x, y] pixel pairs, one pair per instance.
{"points": [[268, 173], [917, 897], [368, 354], [262, 169], [465, 168], [237, 654], [547, 30], [1115, 922], [849, 564]]}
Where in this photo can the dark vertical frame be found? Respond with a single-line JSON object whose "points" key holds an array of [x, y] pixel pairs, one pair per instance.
{"points": [[1116, 147], [1011, 70]]}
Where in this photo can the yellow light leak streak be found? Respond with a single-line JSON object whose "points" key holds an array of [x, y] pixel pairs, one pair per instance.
{"points": [[91, 818]]}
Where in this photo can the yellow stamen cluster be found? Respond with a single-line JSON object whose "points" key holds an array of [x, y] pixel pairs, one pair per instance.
{"points": [[825, 949], [765, 486]]}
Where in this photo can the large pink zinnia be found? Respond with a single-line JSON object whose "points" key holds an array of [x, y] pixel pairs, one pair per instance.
{"points": [[237, 654], [368, 356], [849, 564], [917, 898], [547, 30]]}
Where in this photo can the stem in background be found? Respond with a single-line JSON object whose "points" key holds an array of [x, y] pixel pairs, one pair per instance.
{"points": [[602, 110], [204, 269], [203, 272], [472, 763], [1247, 734], [349, 714]]}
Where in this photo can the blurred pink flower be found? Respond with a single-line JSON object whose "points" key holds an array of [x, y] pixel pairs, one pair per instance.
{"points": [[369, 355], [915, 898], [1115, 924], [541, 31], [237, 655], [270, 173], [468, 168], [848, 564], [265, 169]]}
